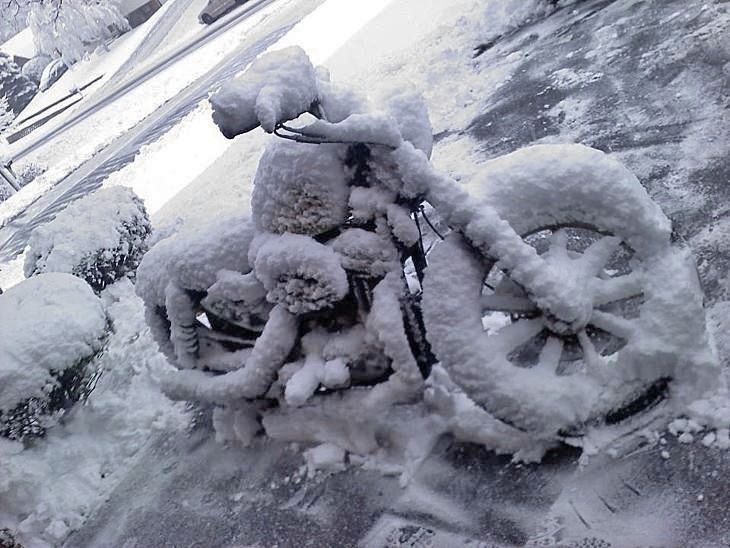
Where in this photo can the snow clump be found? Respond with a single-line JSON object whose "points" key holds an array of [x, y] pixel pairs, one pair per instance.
{"points": [[299, 272], [278, 86], [300, 188], [192, 258], [366, 252], [99, 238]]}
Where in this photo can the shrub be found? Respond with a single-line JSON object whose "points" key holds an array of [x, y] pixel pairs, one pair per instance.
{"points": [[99, 238], [52, 326]]}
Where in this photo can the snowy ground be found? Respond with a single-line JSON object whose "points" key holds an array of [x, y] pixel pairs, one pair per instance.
{"points": [[665, 494]]}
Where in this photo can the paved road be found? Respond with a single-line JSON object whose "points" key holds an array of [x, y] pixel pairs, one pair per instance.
{"points": [[155, 39], [14, 235], [646, 80]]}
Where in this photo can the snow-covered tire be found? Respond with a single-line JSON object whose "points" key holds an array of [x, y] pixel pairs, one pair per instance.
{"points": [[643, 332]]}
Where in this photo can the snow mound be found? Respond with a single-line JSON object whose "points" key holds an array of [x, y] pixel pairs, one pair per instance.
{"points": [[300, 188], [326, 457], [278, 86], [99, 238], [49, 323]]}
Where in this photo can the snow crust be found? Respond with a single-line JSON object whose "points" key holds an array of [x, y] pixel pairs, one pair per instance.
{"points": [[48, 323]]}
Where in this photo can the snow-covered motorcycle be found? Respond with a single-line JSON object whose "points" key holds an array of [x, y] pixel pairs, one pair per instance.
{"points": [[557, 303]]}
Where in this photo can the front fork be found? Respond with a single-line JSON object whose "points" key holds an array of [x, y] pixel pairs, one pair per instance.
{"points": [[485, 229]]}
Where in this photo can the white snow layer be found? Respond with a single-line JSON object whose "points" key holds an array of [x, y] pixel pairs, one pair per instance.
{"points": [[47, 323], [252, 379], [366, 252], [544, 185], [299, 272]]}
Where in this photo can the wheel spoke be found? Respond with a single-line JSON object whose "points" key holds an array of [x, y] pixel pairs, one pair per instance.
{"points": [[616, 325], [599, 253], [559, 243], [507, 303], [590, 355], [616, 289], [515, 335], [506, 286], [550, 354]]}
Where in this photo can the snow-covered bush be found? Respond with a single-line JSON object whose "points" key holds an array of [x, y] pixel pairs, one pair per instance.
{"points": [[7, 539], [23, 175], [6, 191], [6, 114], [99, 238], [33, 69], [18, 89], [27, 172], [48, 486], [51, 73], [52, 325]]}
